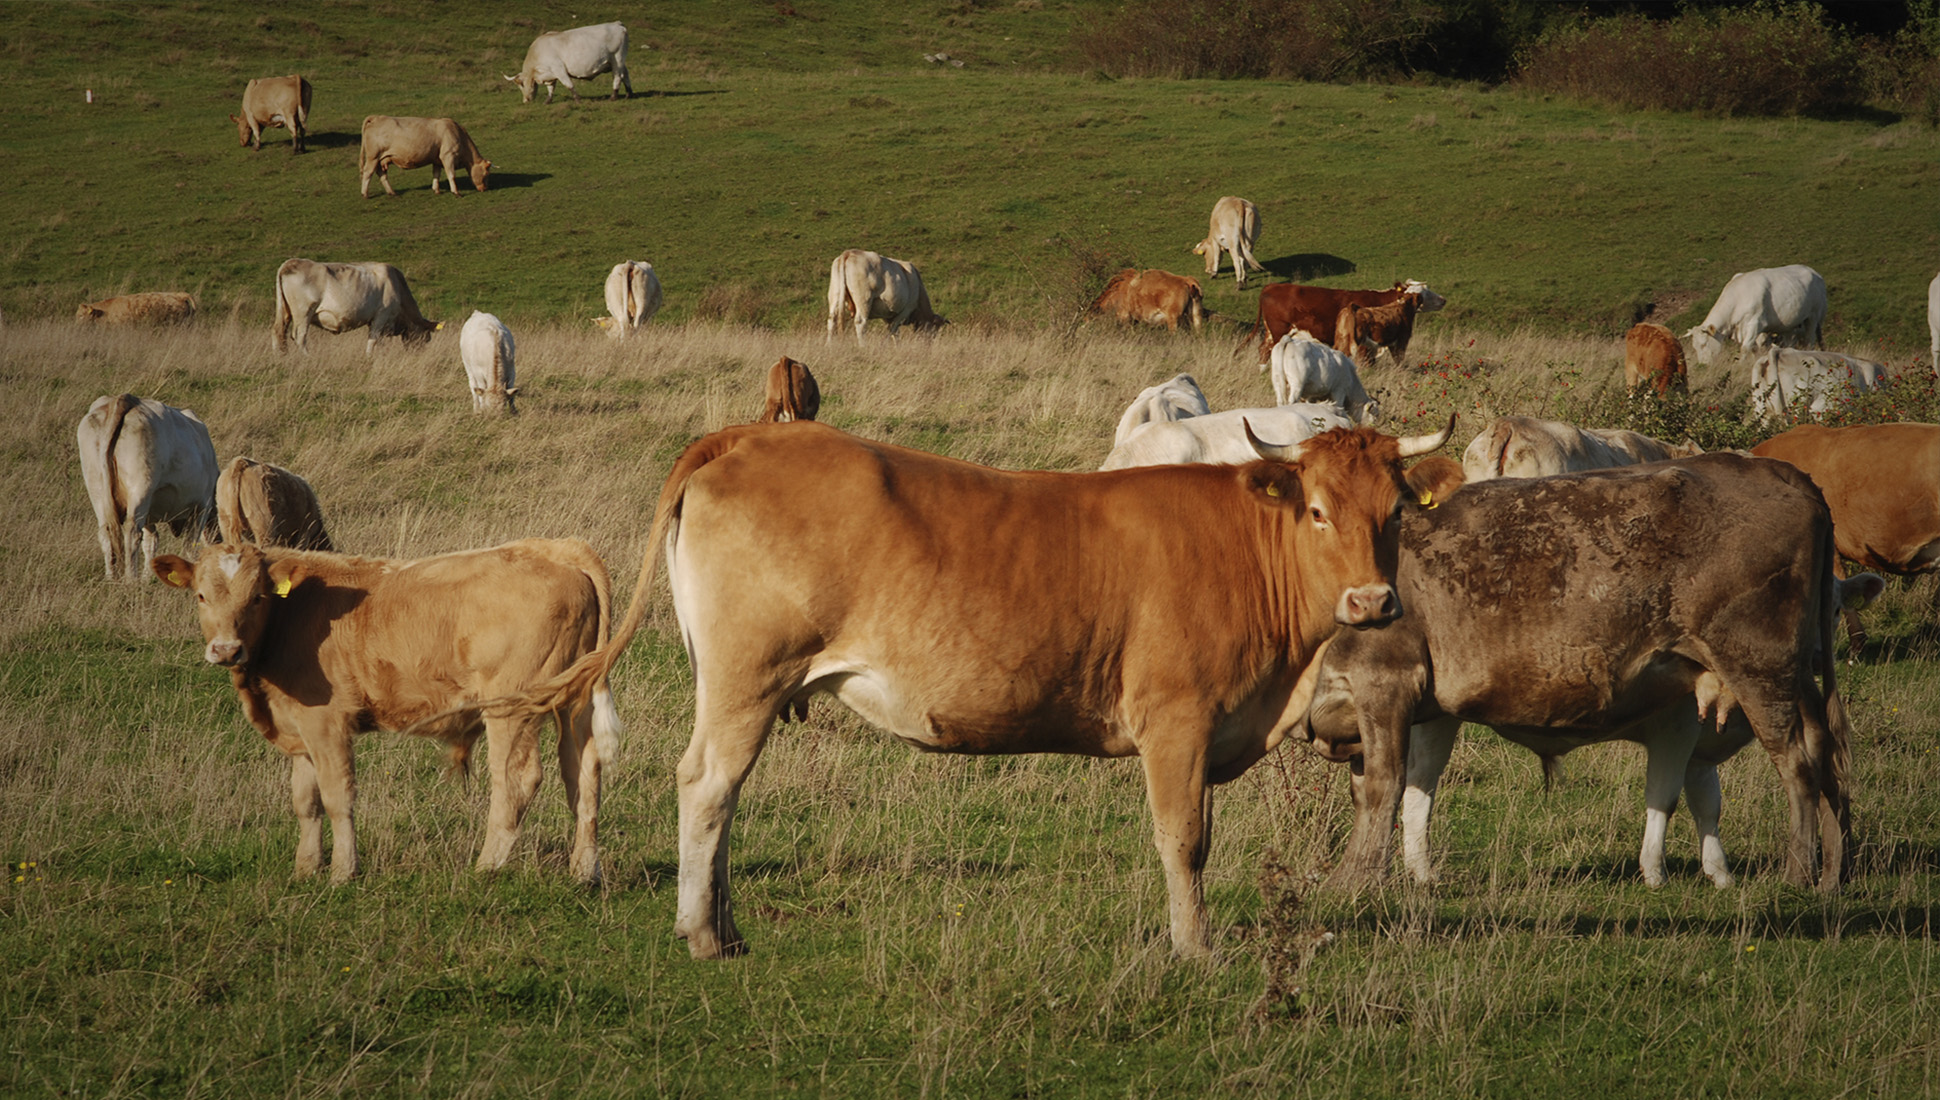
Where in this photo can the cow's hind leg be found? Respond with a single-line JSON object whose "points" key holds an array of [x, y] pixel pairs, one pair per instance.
{"points": [[1181, 800], [512, 745], [1429, 746], [1667, 757], [579, 773], [1776, 719], [728, 737], [1706, 800]]}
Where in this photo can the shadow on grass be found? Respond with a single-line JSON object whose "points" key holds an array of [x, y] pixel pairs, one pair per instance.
{"points": [[517, 179], [331, 139], [1308, 265]]}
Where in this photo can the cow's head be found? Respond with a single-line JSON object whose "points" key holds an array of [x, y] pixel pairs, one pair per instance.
{"points": [[1346, 490], [236, 589], [481, 171], [242, 130], [499, 399], [1430, 301], [526, 84], [88, 312], [1705, 344]]}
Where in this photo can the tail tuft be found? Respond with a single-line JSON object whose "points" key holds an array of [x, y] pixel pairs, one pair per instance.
{"points": [[606, 726]]}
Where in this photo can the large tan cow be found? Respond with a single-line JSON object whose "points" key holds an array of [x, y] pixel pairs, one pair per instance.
{"points": [[1234, 226], [267, 504], [871, 286], [792, 393], [146, 465], [1882, 483], [956, 607], [322, 646], [1315, 310], [1614, 604], [415, 142], [272, 101], [1152, 297], [339, 297], [632, 296], [1525, 446], [1653, 358], [560, 57], [153, 307]]}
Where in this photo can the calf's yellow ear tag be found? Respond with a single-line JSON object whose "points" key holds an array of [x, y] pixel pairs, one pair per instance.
{"points": [[1273, 490], [283, 587], [1428, 498]]}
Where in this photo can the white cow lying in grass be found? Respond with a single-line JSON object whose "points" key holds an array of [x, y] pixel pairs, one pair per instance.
{"points": [[1783, 377], [1220, 438]]}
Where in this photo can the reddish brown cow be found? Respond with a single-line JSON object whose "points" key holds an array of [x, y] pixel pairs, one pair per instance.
{"points": [[154, 307], [1882, 484], [322, 646], [273, 101], [415, 142], [1652, 357], [1362, 331], [269, 505], [1315, 310], [1152, 297], [792, 393]]}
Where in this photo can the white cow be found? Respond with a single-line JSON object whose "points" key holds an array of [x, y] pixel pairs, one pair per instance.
{"points": [[1235, 225], [560, 57], [1783, 376], [341, 297], [1306, 370], [1220, 438], [1766, 306], [632, 296], [1524, 446], [485, 345], [1933, 319], [875, 286], [145, 464], [1176, 398]]}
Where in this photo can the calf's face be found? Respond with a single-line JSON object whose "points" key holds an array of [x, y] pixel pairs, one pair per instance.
{"points": [[233, 590]]}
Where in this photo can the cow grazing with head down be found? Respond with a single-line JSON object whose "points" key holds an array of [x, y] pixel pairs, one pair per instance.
{"points": [[485, 347], [340, 297], [1306, 370], [1615, 604], [950, 605], [1235, 225], [322, 646], [1226, 437], [269, 505], [632, 296], [1176, 398], [1882, 484], [1758, 308], [792, 393], [1786, 379], [871, 286], [1315, 310], [1525, 446], [146, 465], [1652, 358], [153, 307], [272, 101], [561, 57], [415, 142], [1152, 297], [1363, 331]]}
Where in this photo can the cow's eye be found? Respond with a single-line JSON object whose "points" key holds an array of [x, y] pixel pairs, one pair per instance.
{"points": [[1319, 517]]}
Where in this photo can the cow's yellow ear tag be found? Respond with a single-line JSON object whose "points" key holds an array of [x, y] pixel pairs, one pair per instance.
{"points": [[283, 587], [1427, 498], [1273, 490]]}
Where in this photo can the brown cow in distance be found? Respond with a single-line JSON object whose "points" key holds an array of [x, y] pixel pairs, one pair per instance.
{"points": [[272, 101], [947, 603], [320, 647], [1362, 331], [267, 504], [153, 307], [792, 393], [1152, 297], [415, 142], [1653, 358], [1315, 310]]}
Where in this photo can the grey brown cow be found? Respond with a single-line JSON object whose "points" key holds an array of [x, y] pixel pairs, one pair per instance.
{"points": [[792, 393], [268, 505]]}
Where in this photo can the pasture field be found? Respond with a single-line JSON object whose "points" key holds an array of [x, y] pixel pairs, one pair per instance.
{"points": [[920, 925]]}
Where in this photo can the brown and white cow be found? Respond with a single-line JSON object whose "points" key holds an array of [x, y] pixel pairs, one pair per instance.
{"points": [[320, 647], [1234, 226], [1882, 482], [272, 101], [1364, 331], [1653, 358], [415, 142], [1527, 446], [792, 393], [340, 297], [1152, 297], [269, 505], [868, 285], [1315, 310], [146, 465], [153, 307], [1614, 604], [954, 606]]}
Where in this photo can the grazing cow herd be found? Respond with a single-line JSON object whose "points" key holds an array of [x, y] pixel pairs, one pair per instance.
{"points": [[1628, 588]]}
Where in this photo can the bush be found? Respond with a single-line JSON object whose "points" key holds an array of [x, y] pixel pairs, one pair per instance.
{"points": [[1781, 59], [1314, 40]]}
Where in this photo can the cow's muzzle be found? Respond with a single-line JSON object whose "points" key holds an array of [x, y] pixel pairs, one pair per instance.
{"points": [[226, 652], [1367, 605]]}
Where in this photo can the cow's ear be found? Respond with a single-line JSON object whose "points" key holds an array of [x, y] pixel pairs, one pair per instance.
{"points": [[176, 571], [284, 575], [511, 391], [1275, 484]]}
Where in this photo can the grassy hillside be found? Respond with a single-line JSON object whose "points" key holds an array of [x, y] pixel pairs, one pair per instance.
{"points": [[766, 143]]}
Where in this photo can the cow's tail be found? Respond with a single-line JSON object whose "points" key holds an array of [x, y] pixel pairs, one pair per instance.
{"points": [[632, 299], [117, 499], [1835, 763], [280, 336], [838, 292], [606, 718], [1196, 304], [231, 518], [1503, 435], [1259, 324]]}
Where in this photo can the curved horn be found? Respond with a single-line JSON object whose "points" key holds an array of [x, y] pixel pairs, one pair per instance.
{"points": [[1412, 445], [1272, 452]]}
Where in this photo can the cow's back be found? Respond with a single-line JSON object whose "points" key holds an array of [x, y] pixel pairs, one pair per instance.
{"points": [[1881, 482]]}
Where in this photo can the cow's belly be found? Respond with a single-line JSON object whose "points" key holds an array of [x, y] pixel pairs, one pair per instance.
{"points": [[334, 319], [1582, 692], [945, 722]]}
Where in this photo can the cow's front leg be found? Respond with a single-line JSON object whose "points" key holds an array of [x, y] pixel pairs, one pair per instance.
{"points": [[336, 780], [1384, 747], [1667, 755], [1181, 800], [308, 803]]}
